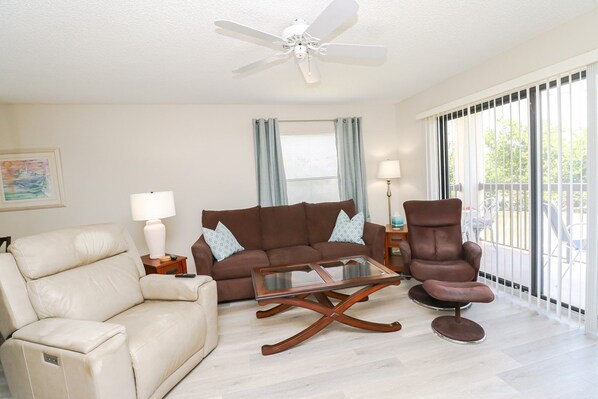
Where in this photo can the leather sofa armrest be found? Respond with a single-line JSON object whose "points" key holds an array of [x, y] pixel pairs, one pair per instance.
{"points": [[204, 260], [82, 336], [200, 289], [162, 287], [64, 358], [406, 253], [472, 253], [373, 236]]}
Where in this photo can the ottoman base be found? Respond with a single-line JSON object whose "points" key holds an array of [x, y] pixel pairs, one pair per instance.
{"points": [[419, 295], [463, 331]]}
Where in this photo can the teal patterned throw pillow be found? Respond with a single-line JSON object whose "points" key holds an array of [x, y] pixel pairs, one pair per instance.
{"points": [[222, 242], [348, 230]]}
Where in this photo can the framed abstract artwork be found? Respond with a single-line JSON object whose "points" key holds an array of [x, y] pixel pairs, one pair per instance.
{"points": [[30, 179]]}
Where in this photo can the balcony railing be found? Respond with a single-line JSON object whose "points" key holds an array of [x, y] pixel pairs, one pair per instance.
{"points": [[511, 225]]}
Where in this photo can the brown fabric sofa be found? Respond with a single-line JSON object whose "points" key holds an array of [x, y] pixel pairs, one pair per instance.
{"points": [[278, 235]]}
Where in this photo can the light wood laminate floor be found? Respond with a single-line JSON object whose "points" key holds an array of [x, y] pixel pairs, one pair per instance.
{"points": [[525, 355]]}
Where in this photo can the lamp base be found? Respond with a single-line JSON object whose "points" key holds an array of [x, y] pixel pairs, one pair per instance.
{"points": [[155, 238]]}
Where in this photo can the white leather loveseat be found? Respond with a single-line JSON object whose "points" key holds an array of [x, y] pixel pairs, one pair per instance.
{"points": [[81, 319]]}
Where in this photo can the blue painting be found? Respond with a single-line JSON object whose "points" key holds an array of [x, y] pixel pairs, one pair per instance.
{"points": [[25, 179]]}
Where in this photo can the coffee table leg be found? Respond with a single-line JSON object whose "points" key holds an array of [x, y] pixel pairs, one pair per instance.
{"points": [[340, 296], [330, 313], [354, 322], [260, 314], [297, 338]]}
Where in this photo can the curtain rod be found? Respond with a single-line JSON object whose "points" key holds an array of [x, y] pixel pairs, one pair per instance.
{"points": [[306, 120]]}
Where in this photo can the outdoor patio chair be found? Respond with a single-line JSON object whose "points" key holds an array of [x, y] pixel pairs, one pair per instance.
{"points": [[484, 220], [575, 247]]}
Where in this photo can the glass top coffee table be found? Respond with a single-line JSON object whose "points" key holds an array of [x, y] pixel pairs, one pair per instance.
{"points": [[291, 285]]}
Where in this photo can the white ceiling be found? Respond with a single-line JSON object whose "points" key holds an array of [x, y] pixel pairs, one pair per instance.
{"points": [[169, 51]]}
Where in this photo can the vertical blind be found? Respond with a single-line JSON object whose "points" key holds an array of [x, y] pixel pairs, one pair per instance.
{"points": [[591, 322], [519, 164]]}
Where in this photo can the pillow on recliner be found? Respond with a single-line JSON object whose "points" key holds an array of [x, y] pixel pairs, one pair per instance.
{"points": [[222, 242], [347, 229]]}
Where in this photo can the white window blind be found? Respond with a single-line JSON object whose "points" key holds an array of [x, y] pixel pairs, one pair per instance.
{"points": [[519, 163], [591, 322]]}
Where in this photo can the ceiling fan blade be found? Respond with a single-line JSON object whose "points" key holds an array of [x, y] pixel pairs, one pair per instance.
{"points": [[353, 50], [246, 30], [337, 13], [262, 62], [309, 69]]}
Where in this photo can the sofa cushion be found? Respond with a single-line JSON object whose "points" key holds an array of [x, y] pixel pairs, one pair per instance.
{"points": [[321, 218], [453, 270], [333, 250], [348, 229], [92, 292], [292, 255], [162, 336], [243, 223], [221, 241], [283, 226], [56, 251], [239, 265]]}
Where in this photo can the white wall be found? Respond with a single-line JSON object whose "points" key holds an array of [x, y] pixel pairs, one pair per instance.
{"points": [[574, 38], [204, 153]]}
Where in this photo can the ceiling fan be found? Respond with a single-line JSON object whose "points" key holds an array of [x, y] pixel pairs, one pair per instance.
{"points": [[303, 41]]}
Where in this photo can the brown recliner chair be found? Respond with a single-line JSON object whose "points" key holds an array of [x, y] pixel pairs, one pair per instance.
{"points": [[435, 250]]}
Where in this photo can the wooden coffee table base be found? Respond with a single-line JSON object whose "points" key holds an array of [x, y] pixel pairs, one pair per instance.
{"points": [[329, 311]]}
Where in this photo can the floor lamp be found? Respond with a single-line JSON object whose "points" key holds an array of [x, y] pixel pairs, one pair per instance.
{"points": [[389, 170]]}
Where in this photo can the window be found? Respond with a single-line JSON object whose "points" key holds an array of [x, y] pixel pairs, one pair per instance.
{"points": [[311, 167]]}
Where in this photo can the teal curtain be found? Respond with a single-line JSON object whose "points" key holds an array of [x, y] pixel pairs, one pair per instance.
{"points": [[352, 180], [271, 180]]}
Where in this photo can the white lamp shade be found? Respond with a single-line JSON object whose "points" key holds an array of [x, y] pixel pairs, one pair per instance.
{"points": [[152, 206], [389, 170]]}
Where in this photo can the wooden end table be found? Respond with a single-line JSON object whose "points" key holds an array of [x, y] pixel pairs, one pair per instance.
{"points": [[153, 266], [291, 285], [392, 239]]}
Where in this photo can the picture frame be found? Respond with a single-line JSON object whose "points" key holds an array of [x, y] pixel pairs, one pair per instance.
{"points": [[30, 179]]}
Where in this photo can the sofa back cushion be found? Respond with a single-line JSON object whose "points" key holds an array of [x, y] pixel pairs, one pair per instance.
{"points": [[243, 223], [86, 273], [49, 253], [283, 226], [97, 291], [321, 218], [435, 229]]}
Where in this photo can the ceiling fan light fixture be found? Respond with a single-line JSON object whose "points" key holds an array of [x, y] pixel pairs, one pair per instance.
{"points": [[300, 51]]}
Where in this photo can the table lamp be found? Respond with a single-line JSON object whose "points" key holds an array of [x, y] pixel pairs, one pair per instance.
{"points": [[389, 170], [152, 207]]}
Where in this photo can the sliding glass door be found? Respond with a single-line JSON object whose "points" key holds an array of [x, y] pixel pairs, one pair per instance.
{"points": [[518, 164]]}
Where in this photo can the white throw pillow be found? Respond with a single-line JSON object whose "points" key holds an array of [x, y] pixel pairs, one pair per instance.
{"points": [[348, 230], [222, 242]]}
